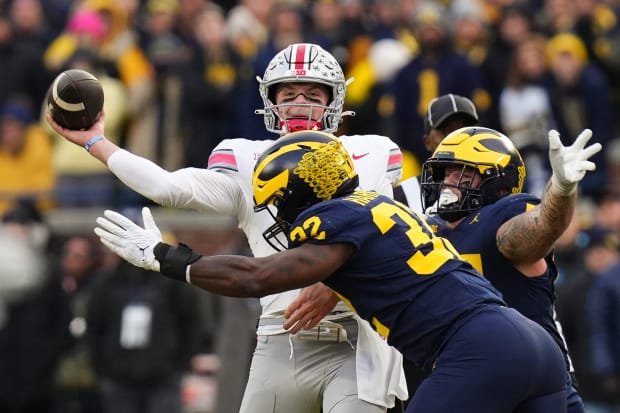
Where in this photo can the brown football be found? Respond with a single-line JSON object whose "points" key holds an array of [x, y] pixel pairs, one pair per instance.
{"points": [[75, 99]]}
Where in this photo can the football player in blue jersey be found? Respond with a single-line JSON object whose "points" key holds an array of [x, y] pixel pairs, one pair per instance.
{"points": [[385, 262], [473, 182]]}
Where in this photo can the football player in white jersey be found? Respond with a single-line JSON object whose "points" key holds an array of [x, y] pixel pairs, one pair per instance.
{"points": [[339, 364]]}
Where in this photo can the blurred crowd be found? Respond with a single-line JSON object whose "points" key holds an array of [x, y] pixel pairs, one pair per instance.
{"points": [[82, 331], [180, 75]]}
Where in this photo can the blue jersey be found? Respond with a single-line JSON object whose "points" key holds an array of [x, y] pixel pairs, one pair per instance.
{"points": [[475, 239], [408, 283]]}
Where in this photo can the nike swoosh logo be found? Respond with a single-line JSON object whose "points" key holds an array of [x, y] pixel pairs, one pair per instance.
{"points": [[356, 157]]}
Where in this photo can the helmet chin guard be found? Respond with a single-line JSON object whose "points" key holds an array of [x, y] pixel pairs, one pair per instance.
{"points": [[300, 123], [296, 125]]}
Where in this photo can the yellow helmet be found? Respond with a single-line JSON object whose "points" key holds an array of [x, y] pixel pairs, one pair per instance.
{"points": [[492, 156], [297, 171]]}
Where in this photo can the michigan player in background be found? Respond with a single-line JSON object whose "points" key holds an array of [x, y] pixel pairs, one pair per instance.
{"points": [[474, 182], [384, 261]]}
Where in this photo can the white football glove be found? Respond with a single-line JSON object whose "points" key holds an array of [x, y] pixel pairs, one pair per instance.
{"points": [[570, 163], [130, 241]]}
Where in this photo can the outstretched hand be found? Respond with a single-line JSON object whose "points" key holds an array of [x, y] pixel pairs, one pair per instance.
{"points": [[79, 137], [130, 241], [312, 304], [570, 163]]}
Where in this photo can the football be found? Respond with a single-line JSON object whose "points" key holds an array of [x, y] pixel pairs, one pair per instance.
{"points": [[75, 99]]}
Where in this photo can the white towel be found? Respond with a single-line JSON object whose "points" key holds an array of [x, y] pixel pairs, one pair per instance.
{"points": [[380, 374]]}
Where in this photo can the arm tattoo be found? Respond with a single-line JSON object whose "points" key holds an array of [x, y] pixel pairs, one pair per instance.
{"points": [[532, 234]]}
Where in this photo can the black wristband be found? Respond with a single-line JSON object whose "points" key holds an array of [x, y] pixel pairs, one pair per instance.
{"points": [[173, 261]]}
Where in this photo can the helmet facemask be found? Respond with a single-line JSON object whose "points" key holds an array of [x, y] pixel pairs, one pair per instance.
{"points": [[476, 188], [281, 225], [300, 123]]}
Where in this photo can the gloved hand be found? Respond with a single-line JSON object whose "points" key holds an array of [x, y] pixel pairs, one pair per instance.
{"points": [[570, 163], [130, 241]]}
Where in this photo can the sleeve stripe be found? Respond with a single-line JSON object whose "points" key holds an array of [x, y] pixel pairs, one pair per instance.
{"points": [[224, 159], [395, 161]]}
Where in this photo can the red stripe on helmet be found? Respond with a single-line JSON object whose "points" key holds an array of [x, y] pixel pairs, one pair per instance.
{"points": [[300, 57]]}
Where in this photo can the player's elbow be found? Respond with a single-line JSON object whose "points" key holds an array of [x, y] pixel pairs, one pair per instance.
{"points": [[167, 194]]}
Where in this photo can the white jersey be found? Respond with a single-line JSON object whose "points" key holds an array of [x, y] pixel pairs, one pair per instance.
{"points": [[409, 193], [226, 187]]}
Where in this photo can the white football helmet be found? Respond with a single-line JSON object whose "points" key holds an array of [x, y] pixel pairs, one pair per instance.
{"points": [[303, 62]]}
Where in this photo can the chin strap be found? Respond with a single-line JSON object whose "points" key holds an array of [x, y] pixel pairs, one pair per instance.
{"points": [[294, 125]]}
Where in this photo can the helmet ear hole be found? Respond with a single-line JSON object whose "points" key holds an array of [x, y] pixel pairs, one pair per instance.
{"points": [[330, 96], [271, 93]]}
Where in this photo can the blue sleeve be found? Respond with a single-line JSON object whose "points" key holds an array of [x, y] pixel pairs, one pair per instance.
{"points": [[508, 207]]}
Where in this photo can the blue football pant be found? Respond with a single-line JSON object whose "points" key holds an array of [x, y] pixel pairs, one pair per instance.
{"points": [[498, 361], [575, 403]]}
